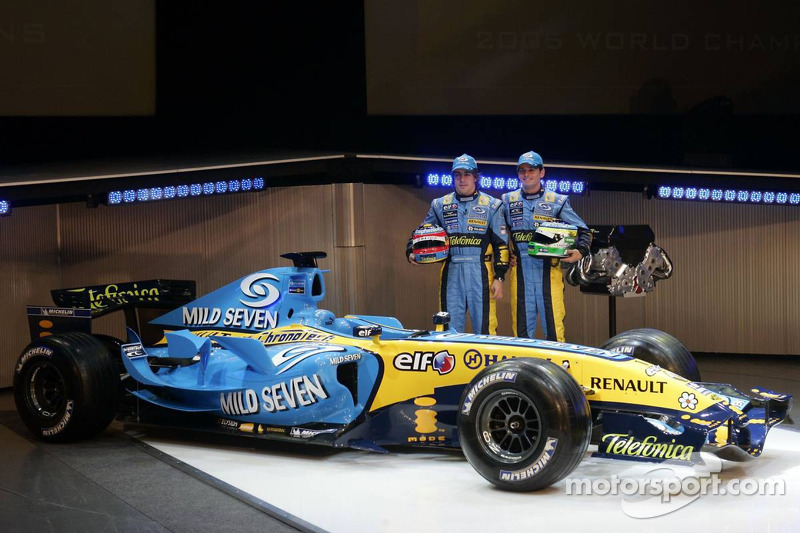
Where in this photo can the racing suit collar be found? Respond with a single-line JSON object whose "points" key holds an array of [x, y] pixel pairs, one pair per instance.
{"points": [[468, 197], [532, 196]]}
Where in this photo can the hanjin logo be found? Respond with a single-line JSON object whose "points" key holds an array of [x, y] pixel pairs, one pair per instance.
{"points": [[474, 359]]}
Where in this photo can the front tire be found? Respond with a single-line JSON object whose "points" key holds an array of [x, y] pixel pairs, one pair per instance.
{"points": [[524, 424], [66, 387], [658, 348]]}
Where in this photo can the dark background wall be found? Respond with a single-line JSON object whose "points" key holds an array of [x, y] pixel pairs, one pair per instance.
{"points": [[254, 75], [257, 75]]}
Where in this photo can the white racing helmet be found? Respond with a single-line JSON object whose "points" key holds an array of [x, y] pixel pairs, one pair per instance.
{"points": [[553, 239]]}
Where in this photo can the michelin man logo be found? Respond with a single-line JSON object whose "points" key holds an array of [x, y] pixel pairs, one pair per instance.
{"points": [[255, 286]]}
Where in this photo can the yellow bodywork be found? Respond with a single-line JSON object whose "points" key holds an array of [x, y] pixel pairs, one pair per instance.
{"points": [[606, 378]]}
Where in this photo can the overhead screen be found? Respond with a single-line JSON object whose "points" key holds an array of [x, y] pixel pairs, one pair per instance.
{"points": [[87, 58], [511, 57]]}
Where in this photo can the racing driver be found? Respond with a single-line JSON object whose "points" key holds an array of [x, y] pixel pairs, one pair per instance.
{"points": [[477, 232], [537, 284]]}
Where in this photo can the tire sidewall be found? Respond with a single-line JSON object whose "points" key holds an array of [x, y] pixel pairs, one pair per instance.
{"points": [[46, 356], [555, 446]]}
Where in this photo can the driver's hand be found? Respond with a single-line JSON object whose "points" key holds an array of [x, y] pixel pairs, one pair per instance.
{"points": [[512, 261], [497, 290], [411, 259], [573, 257]]}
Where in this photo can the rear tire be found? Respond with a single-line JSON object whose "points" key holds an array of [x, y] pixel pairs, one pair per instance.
{"points": [[66, 387], [656, 347], [524, 424]]}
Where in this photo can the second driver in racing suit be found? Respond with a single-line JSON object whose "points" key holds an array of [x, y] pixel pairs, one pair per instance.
{"points": [[537, 284], [477, 233]]}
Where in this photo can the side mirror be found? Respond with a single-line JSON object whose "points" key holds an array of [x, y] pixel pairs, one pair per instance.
{"points": [[367, 331], [441, 320]]}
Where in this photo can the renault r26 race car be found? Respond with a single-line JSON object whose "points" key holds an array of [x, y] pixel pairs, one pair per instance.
{"points": [[259, 358]]}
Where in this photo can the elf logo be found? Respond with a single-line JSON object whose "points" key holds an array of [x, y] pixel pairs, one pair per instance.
{"points": [[443, 362]]}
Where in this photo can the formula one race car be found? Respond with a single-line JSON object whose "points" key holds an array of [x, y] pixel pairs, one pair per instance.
{"points": [[259, 358]]}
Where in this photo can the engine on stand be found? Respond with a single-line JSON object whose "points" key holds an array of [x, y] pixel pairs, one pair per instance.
{"points": [[624, 262]]}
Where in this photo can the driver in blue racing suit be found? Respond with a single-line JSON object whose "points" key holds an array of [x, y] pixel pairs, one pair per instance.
{"points": [[537, 284], [477, 233]]}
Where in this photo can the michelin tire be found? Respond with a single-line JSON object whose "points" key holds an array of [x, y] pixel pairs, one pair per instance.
{"points": [[66, 387], [524, 424]]}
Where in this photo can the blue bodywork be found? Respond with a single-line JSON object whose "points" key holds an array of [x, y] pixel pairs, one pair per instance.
{"points": [[259, 357]]}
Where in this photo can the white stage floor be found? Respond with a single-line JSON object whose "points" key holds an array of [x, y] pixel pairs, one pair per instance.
{"points": [[424, 491]]}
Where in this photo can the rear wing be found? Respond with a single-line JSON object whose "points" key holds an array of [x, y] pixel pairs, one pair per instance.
{"points": [[103, 299], [141, 301]]}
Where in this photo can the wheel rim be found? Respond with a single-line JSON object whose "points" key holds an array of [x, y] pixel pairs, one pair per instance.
{"points": [[509, 426], [46, 388]]}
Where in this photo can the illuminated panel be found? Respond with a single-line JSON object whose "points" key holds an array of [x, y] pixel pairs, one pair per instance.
{"points": [[169, 192], [508, 183], [668, 192]]}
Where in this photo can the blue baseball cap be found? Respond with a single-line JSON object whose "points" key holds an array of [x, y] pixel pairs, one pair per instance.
{"points": [[532, 158], [465, 162]]}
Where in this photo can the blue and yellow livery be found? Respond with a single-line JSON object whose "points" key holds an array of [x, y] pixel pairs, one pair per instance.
{"points": [[259, 357]]}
